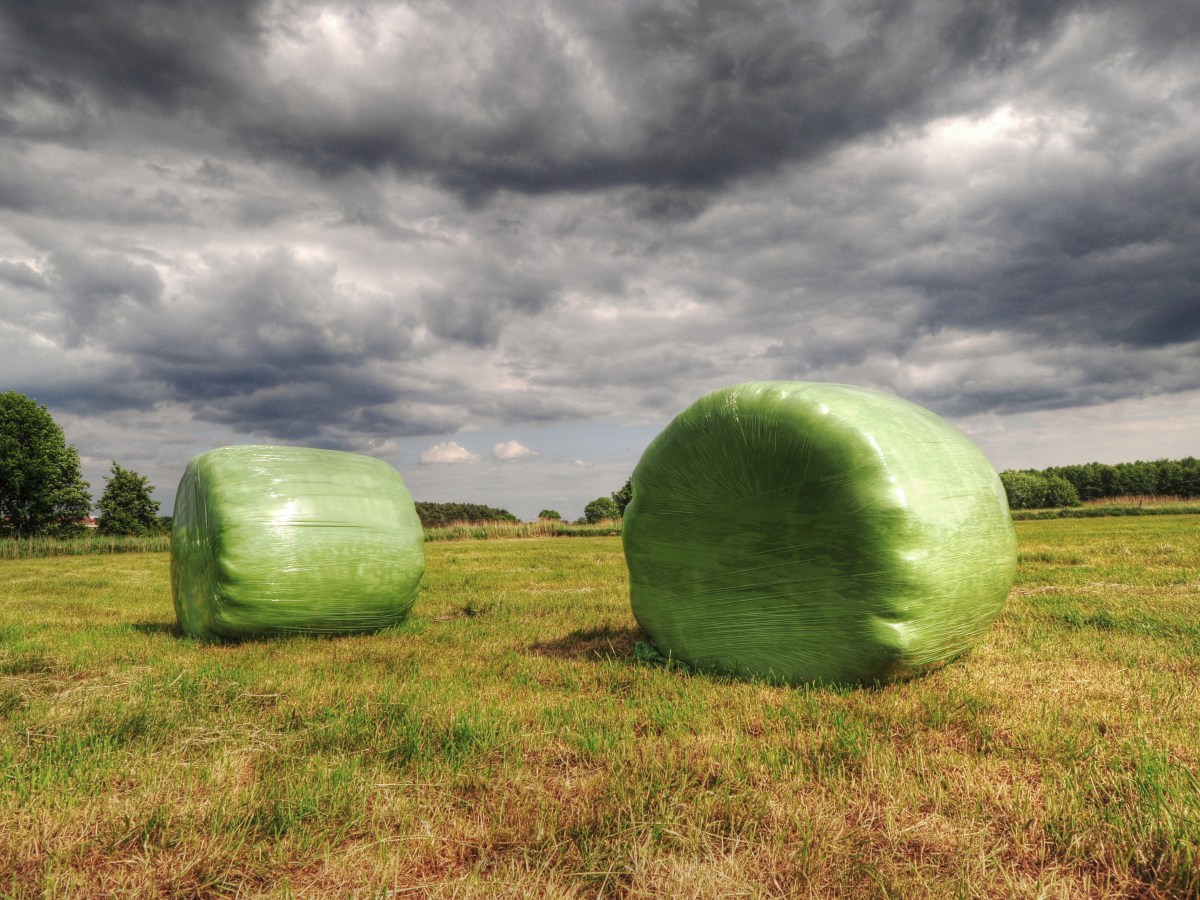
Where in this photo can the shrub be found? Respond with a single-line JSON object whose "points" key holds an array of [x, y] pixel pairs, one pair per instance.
{"points": [[1033, 490]]}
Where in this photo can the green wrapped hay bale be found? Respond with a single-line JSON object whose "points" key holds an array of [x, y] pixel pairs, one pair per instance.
{"points": [[815, 533], [286, 540]]}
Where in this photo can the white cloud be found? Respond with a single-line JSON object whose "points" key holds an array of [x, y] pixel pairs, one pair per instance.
{"points": [[508, 450], [449, 452]]}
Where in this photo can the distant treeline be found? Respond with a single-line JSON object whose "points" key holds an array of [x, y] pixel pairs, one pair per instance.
{"points": [[1072, 485], [438, 515]]}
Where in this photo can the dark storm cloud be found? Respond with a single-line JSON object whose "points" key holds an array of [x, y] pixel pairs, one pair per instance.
{"points": [[704, 93], [270, 336], [1110, 258], [569, 97], [474, 310], [92, 293], [1084, 376], [90, 282], [166, 55], [265, 343]]}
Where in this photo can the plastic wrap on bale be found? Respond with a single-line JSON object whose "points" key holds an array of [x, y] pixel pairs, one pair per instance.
{"points": [[800, 533], [291, 540]]}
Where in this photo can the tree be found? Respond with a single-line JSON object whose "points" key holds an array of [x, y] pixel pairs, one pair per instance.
{"points": [[1060, 492], [551, 514], [41, 489], [1025, 490], [126, 506], [623, 496], [601, 508]]}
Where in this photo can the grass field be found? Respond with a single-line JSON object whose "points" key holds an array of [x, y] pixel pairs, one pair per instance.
{"points": [[508, 742]]}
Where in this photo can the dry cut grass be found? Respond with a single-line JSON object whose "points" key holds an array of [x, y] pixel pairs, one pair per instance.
{"points": [[93, 543], [1141, 500], [507, 742]]}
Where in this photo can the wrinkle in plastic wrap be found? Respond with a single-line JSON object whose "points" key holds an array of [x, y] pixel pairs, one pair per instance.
{"points": [[803, 532], [286, 540]]}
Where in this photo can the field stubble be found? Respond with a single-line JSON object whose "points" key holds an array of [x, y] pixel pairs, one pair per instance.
{"points": [[505, 741]]}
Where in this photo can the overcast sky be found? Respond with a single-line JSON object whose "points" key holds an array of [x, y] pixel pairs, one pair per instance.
{"points": [[500, 245]]}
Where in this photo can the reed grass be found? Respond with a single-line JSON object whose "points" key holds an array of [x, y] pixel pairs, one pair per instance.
{"points": [[483, 531], [1140, 500], [84, 545]]}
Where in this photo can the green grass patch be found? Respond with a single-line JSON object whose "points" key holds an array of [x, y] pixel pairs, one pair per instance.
{"points": [[518, 736], [1094, 511]]}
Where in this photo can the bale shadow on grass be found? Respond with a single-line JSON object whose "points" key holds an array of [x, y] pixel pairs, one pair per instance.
{"points": [[605, 642]]}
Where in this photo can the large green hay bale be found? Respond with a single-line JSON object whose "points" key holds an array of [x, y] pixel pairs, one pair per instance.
{"points": [[284, 540], [815, 533]]}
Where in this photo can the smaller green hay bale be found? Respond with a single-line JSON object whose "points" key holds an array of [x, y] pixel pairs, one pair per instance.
{"points": [[801, 532], [286, 540]]}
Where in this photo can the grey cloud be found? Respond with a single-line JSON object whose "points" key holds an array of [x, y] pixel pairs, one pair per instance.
{"points": [[263, 211], [363, 204], [89, 279], [213, 174], [267, 344], [669, 204], [29, 187], [162, 54], [101, 292], [475, 307], [1170, 323], [315, 401], [265, 320], [1083, 375], [531, 405], [93, 390], [22, 275], [17, 194], [475, 321], [1103, 257], [681, 97]]}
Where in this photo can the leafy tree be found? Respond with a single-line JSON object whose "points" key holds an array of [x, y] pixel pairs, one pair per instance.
{"points": [[552, 514], [1059, 492], [601, 508], [1168, 477], [1025, 490], [623, 496], [41, 489], [1189, 477], [126, 506]]}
